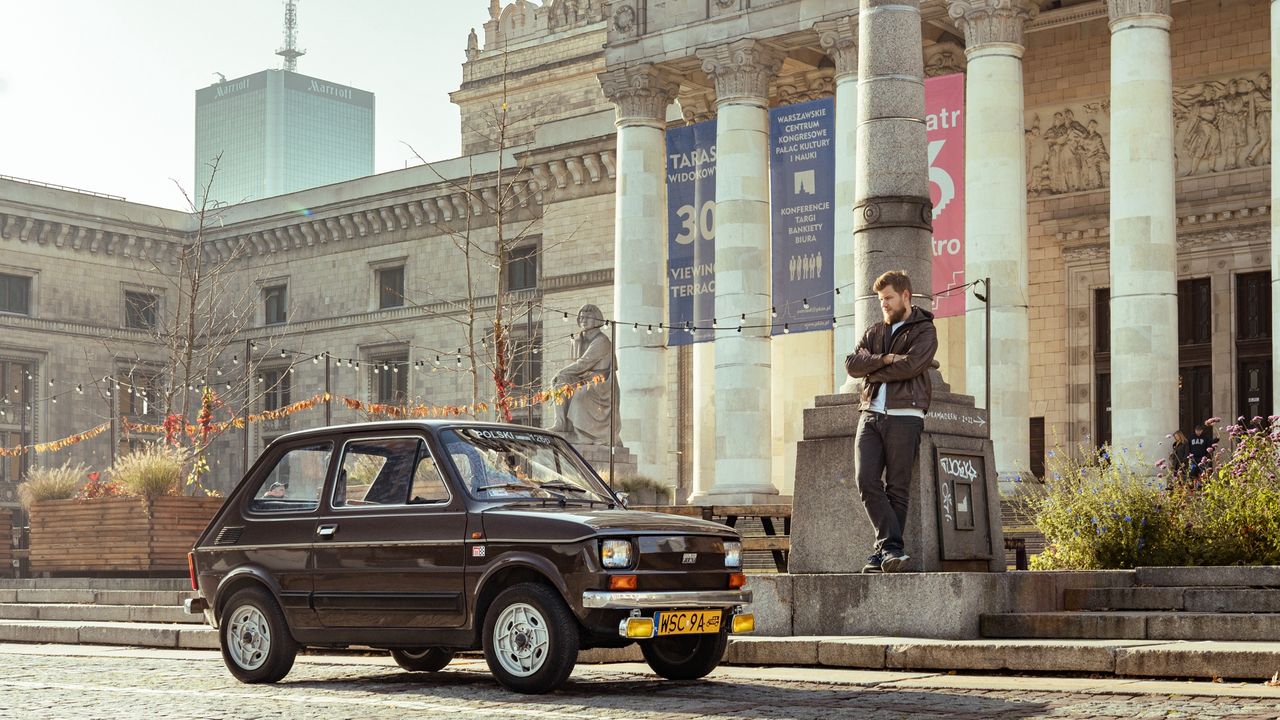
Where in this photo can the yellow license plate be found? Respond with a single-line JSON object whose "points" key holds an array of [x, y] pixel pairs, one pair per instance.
{"points": [[688, 622]]}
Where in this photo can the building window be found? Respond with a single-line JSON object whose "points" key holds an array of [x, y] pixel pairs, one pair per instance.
{"points": [[277, 388], [1102, 365], [140, 396], [15, 294], [1037, 447], [275, 303], [390, 378], [140, 310], [390, 287], [1253, 346], [15, 420], [522, 268], [1195, 352]]}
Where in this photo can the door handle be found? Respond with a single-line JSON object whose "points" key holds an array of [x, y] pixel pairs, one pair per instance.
{"points": [[327, 531]]}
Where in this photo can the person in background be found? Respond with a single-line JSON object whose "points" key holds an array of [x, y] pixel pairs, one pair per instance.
{"points": [[1180, 458], [1200, 449]]}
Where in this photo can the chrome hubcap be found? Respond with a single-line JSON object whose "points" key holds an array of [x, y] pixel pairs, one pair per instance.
{"points": [[248, 637], [521, 639]]}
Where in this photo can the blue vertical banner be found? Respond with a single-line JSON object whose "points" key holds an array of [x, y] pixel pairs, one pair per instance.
{"points": [[802, 179], [691, 232]]}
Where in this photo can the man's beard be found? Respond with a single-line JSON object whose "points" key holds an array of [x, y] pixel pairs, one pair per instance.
{"points": [[897, 316]]}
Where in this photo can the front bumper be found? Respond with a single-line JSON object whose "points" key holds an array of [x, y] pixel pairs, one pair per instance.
{"points": [[659, 600]]}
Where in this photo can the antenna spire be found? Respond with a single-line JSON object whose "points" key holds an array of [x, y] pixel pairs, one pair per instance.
{"points": [[290, 51]]}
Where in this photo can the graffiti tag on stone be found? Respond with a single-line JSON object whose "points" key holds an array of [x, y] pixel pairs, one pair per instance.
{"points": [[959, 468]]}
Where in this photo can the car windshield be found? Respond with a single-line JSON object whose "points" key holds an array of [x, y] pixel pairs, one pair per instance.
{"points": [[498, 464]]}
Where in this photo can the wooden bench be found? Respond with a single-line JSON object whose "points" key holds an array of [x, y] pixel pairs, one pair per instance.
{"points": [[778, 544]]}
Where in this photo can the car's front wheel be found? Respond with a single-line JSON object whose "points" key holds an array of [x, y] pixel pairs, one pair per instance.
{"points": [[422, 660], [685, 657], [530, 639], [256, 644]]}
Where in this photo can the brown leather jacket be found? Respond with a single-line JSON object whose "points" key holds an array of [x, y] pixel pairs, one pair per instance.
{"points": [[915, 343]]}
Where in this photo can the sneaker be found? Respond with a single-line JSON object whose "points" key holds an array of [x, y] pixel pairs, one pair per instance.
{"points": [[873, 563], [894, 561]]}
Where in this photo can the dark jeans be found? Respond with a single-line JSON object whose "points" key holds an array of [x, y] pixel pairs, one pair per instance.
{"points": [[886, 445]]}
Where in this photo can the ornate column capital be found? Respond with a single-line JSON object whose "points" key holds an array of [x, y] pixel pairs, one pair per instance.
{"points": [[697, 105], [991, 22], [640, 92], [1158, 11], [741, 69], [839, 40]]}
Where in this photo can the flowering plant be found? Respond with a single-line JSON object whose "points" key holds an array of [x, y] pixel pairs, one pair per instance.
{"points": [[98, 487]]}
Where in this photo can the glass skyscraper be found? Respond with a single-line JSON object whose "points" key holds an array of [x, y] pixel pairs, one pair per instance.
{"points": [[279, 131]]}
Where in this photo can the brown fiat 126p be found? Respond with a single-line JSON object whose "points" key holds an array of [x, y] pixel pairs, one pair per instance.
{"points": [[430, 537]]}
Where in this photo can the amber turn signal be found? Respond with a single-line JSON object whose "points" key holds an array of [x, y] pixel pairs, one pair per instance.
{"points": [[744, 623], [191, 570], [737, 580], [622, 582]]}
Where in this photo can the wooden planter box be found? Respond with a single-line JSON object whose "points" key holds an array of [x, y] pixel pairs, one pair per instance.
{"points": [[117, 534]]}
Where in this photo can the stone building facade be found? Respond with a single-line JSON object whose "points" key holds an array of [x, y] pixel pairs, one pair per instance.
{"points": [[588, 89]]}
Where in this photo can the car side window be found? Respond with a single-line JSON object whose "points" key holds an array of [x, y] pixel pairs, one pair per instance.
{"points": [[377, 472], [428, 483], [296, 481]]}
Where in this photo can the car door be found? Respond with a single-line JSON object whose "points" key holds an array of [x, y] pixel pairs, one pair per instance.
{"points": [[277, 526], [389, 543]]}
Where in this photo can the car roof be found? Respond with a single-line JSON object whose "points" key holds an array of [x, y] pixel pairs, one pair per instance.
{"points": [[410, 423]]}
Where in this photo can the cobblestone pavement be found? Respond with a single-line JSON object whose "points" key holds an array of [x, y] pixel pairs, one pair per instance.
{"points": [[50, 682]]}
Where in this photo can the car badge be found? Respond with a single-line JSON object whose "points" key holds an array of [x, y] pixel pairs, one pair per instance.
{"points": [[477, 551], [689, 558]]}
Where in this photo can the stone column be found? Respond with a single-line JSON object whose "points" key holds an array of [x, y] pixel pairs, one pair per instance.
{"points": [[839, 40], [893, 216], [996, 235], [1144, 300], [641, 94], [742, 70], [1275, 220]]}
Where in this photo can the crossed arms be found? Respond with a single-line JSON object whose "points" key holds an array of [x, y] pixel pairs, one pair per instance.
{"points": [[894, 367]]}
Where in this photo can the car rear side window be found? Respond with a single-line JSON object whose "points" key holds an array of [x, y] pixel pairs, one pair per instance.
{"points": [[387, 471], [296, 481]]}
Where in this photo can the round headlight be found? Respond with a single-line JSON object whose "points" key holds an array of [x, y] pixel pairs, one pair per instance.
{"points": [[616, 553], [733, 554]]}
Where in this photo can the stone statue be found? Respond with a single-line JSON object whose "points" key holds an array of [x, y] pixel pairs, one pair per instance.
{"points": [[585, 418]]}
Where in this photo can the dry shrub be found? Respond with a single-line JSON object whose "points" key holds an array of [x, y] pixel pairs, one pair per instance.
{"points": [[55, 483], [154, 469]]}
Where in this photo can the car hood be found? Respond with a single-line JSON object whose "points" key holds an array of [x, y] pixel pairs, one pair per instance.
{"points": [[554, 522]]}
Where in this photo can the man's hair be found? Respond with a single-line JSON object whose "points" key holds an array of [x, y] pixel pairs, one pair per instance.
{"points": [[896, 279]]}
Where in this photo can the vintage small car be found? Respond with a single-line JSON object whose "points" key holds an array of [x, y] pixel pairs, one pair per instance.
{"points": [[426, 538]]}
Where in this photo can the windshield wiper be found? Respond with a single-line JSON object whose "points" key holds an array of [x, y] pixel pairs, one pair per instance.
{"points": [[558, 485], [495, 486]]}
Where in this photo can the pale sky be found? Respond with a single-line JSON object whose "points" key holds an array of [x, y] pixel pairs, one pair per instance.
{"points": [[100, 94]]}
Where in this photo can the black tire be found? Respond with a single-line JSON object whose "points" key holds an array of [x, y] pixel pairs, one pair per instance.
{"points": [[539, 631], [422, 659], [262, 649], [685, 657]]}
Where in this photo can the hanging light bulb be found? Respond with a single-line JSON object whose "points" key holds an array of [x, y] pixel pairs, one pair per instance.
{"points": [[219, 372], [50, 382], [635, 327], [235, 359], [290, 370], [315, 359], [834, 321], [79, 388], [773, 311], [253, 345], [282, 352], [786, 328], [228, 386], [649, 331], [837, 291], [806, 303], [53, 400], [566, 317]]}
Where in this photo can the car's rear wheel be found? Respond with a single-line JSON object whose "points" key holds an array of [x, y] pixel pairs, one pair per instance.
{"points": [[423, 659], [531, 639], [256, 644], [685, 657]]}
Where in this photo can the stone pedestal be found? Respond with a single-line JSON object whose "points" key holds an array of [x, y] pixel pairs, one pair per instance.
{"points": [[624, 462], [830, 532]]}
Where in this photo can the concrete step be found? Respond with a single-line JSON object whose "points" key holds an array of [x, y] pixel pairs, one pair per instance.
{"points": [[92, 596], [1194, 599], [1132, 625], [1213, 576], [166, 635], [98, 613], [1139, 658], [92, 583]]}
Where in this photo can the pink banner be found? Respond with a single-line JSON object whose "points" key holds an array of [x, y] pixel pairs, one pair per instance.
{"points": [[944, 118]]}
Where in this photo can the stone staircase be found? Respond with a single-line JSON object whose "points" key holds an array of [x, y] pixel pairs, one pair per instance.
{"points": [[108, 611], [1234, 604]]}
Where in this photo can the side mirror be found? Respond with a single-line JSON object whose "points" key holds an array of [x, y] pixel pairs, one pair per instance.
{"points": [[622, 498]]}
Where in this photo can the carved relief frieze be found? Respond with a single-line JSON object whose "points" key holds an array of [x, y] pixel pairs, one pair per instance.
{"points": [[1220, 124], [626, 19], [943, 58], [570, 14]]}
